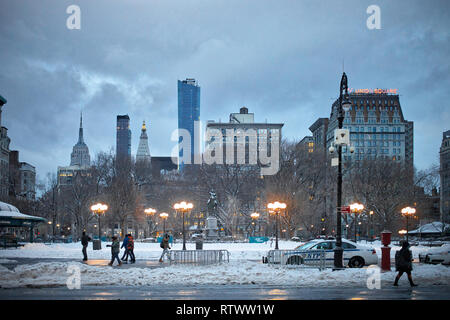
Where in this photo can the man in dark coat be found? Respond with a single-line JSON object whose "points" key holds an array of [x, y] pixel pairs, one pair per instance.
{"points": [[84, 242], [403, 263]]}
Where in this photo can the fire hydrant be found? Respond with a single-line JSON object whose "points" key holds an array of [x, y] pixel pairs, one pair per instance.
{"points": [[386, 250]]}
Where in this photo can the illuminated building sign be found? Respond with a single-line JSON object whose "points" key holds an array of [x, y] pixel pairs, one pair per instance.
{"points": [[376, 91]]}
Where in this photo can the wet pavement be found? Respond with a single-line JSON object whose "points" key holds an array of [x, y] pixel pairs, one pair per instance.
{"points": [[14, 262], [227, 292]]}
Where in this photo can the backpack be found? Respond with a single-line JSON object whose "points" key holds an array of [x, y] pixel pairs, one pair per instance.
{"points": [[161, 244], [130, 244]]}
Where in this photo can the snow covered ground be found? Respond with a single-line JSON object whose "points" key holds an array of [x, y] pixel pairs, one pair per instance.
{"points": [[235, 272], [245, 267], [238, 251]]}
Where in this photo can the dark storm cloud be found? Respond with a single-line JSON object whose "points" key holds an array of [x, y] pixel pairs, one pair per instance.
{"points": [[281, 59]]}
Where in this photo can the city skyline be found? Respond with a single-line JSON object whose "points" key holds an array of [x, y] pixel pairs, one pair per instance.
{"points": [[276, 70]]}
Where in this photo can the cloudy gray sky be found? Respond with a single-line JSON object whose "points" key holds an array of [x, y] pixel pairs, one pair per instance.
{"points": [[281, 59]]}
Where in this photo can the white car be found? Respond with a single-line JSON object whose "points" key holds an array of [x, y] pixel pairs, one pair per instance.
{"points": [[436, 255], [355, 255]]}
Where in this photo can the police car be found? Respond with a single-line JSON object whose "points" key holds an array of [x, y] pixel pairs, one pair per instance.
{"points": [[355, 255]]}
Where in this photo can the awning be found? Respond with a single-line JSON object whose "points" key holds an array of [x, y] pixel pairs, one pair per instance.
{"points": [[431, 228], [10, 216]]}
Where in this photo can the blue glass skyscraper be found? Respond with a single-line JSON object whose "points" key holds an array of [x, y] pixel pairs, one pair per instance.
{"points": [[188, 111], [123, 138]]}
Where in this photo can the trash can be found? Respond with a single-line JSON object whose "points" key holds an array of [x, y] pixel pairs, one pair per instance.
{"points": [[199, 244], [96, 244]]}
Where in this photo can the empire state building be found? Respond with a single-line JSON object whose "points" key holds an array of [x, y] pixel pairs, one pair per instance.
{"points": [[80, 154]]}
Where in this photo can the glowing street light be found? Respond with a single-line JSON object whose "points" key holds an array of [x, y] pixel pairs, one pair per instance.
{"points": [[150, 212], [254, 216], [408, 212], [99, 209], [184, 207], [164, 216], [276, 207], [356, 208]]}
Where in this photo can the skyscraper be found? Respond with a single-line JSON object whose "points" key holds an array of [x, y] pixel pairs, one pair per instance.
{"points": [[123, 137], [80, 152], [188, 112], [444, 155], [143, 152], [4, 154], [80, 161]]}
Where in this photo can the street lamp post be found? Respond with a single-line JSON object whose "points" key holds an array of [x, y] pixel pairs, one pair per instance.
{"points": [[344, 104], [408, 212], [164, 216], [99, 209], [150, 212], [356, 208], [402, 232], [184, 207], [254, 216], [370, 232], [276, 207]]}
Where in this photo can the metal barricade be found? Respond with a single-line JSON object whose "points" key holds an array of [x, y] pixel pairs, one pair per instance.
{"points": [[199, 257], [298, 258], [274, 256]]}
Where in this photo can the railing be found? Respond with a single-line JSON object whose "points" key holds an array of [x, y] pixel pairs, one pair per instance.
{"points": [[298, 258], [274, 256], [199, 257]]}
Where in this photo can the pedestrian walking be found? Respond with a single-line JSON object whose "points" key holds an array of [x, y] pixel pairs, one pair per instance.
{"points": [[115, 250], [84, 242], [165, 246], [130, 248], [403, 263], [125, 245]]}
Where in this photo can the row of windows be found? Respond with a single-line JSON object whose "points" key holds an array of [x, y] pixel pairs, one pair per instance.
{"points": [[367, 101], [374, 143], [374, 150], [373, 129], [362, 136], [371, 120], [369, 156]]}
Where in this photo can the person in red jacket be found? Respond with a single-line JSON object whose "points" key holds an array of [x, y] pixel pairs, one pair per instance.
{"points": [[130, 248]]}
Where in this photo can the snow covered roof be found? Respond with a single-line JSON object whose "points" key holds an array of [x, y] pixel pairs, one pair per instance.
{"points": [[433, 227], [8, 211], [7, 207]]}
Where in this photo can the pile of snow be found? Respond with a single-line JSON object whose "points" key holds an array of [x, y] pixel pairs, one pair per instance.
{"points": [[152, 251], [236, 272]]}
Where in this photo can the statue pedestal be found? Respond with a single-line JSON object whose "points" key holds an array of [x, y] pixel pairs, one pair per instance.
{"points": [[211, 228]]}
